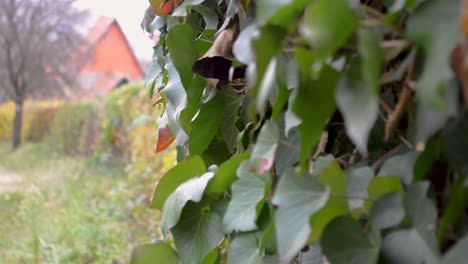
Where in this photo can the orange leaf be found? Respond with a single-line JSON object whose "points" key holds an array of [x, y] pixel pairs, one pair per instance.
{"points": [[176, 3], [162, 10], [165, 139]]}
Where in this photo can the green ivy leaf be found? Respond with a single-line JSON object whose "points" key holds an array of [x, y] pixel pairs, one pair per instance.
{"points": [[174, 91], [268, 45], [380, 186], [358, 104], [205, 125], [242, 47], [182, 9], [434, 26], [154, 70], [318, 93], [229, 131], [457, 254], [327, 25], [181, 173], [456, 205], [159, 252], [268, 86], [357, 181], [401, 166], [407, 247], [387, 211], [197, 233], [344, 241], [226, 174], [192, 190], [333, 177], [422, 213], [245, 249], [180, 42], [194, 96], [213, 258], [287, 154], [297, 199], [371, 58], [264, 151], [313, 255], [267, 8], [247, 192]]}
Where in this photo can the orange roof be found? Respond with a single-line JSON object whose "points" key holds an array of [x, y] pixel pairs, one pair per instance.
{"points": [[99, 29]]}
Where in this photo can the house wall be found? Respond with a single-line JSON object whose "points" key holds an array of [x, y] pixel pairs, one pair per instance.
{"points": [[112, 55]]}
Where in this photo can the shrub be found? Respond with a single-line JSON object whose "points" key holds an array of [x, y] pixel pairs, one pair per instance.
{"points": [[128, 131], [41, 123], [7, 112], [75, 129]]}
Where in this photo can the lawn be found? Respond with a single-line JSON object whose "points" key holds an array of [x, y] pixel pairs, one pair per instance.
{"points": [[56, 209]]}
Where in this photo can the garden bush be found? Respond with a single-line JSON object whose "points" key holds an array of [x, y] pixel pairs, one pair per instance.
{"points": [[129, 131], [75, 130], [37, 119]]}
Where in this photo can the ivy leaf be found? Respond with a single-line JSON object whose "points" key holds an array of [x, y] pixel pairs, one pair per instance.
{"points": [[229, 131], [182, 9], [226, 174], [213, 258], [457, 254], [387, 211], [242, 47], [327, 25], [174, 91], [181, 173], [192, 190], [313, 255], [371, 58], [245, 249], [154, 70], [318, 93], [194, 94], [165, 139], [265, 148], [197, 233], [205, 125], [407, 247], [422, 213], [209, 15], [357, 181], [333, 177], [288, 149], [380, 186], [268, 85], [358, 104], [149, 253], [434, 26], [267, 8], [344, 241], [247, 192], [268, 45], [297, 199], [401, 166], [180, 42]]}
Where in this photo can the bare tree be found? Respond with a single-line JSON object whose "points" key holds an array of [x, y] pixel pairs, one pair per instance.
{"points": [[38, 46]]}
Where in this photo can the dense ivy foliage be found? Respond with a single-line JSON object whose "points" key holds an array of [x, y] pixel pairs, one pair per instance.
{"points": [[310, 131]]}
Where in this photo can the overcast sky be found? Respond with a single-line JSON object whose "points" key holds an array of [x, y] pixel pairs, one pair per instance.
{"points": [[129, 14]]}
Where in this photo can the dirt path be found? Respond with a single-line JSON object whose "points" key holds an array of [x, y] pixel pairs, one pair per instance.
{"points": [[9, 182]]}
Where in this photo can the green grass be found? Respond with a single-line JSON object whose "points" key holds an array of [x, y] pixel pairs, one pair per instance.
{"points": [[70, 210]]}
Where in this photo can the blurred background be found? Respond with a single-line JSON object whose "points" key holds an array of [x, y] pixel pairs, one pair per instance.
{"points": [[77, 132]]}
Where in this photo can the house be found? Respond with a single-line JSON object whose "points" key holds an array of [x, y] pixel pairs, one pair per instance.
{"points": [[108, 61]]}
